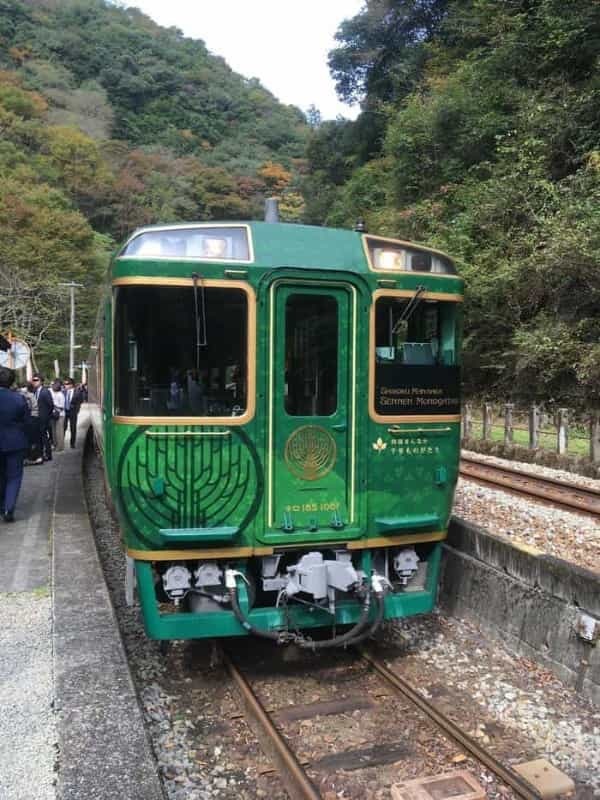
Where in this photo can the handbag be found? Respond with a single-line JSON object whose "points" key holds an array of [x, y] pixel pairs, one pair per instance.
{"points": [[55, 413]]}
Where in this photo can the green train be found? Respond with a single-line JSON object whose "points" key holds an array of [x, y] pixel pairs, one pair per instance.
{"points": [[277, 407]]}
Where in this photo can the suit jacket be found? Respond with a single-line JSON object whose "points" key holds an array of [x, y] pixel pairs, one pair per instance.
{"points": [[45, 405], [76, 401], [14, 416]]}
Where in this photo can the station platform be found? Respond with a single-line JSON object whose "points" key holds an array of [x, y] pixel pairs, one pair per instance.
{"points": [[70, 723]]}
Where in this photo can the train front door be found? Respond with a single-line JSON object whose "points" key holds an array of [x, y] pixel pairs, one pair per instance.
{"points": [[311, 430]]}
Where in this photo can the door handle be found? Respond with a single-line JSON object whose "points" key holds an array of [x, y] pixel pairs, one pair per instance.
{"points": [[340, 428]]}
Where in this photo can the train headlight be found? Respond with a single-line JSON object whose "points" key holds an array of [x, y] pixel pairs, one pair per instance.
{"points": [[389, 259], [386, 255]]}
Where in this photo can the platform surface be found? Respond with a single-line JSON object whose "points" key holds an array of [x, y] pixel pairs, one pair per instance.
{"points": [[25, 543], [64, 676]]}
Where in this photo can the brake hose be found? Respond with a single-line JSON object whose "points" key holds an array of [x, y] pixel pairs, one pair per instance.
{"points": [[357, 633]]}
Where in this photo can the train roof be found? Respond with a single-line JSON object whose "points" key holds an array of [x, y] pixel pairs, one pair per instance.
{"points": [[275, 245]]}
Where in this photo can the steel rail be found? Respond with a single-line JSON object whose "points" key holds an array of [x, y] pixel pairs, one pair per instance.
{"points": [[561, 493], [297, 783], [520, 786], [559, 482]]}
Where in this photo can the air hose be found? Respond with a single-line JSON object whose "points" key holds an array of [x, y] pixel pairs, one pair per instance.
{"points": [[356, 634], [278, 636], [380, 600]]}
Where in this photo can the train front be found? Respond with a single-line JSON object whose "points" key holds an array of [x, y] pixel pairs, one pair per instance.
{"points": [[284, 437]]}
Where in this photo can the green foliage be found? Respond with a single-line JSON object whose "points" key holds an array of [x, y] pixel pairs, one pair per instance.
{"points": [[488, 148], [383, 50], [437, 135], [108, 122], [157, 82]]}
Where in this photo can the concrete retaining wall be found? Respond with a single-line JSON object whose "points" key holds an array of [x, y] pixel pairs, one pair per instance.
{"points": [[532, 601]]}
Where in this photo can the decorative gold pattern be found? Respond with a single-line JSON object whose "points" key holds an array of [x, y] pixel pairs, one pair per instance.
{"points": [[391, 541], [186, 555], [310, 453]]}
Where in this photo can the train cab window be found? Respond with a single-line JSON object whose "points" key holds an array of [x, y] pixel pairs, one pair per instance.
{"points": [[415, 355], [311, 354], [180, 352], [211, 244]]}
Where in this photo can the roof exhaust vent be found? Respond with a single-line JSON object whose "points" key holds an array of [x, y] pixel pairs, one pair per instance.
{"points": [[271, 209]]}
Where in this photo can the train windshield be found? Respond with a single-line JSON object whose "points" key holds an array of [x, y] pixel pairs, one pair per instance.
{"points": [[416, 368], [212, 244], [181, 351]]}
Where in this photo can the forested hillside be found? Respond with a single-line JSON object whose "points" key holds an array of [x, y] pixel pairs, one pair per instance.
{"points": [[480, 134], [108, 122]]}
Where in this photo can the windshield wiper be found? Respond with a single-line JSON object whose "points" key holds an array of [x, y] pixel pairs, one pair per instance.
{"points": [[200, 324], [410, 309]]}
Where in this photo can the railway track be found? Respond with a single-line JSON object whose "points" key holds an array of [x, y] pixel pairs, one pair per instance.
{"points": [[549, 490], [323, 775]]}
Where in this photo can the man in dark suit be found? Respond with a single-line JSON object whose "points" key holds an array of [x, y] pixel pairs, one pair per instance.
{"points": [[74, 397], [14, 415], [45, 409]]}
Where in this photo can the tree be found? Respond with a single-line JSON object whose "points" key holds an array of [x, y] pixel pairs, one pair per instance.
{"points": [[313, 116], [274, 176], [383, 50], [28, 310]]}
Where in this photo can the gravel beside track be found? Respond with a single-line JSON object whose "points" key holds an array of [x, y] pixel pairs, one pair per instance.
{"points": [[28, 743], [513, 706], [563, 534]]}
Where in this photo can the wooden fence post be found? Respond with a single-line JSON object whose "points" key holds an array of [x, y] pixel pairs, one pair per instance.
{"points": [[534, 427], [487, 420], [562, 431], [595, 437], [508, 424], [467, 421]]}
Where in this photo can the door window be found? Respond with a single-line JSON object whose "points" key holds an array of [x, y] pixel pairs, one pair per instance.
{"points": [[311, 355]]}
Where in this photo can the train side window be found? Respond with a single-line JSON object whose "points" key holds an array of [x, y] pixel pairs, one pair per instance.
{"points": [[311, 355]]}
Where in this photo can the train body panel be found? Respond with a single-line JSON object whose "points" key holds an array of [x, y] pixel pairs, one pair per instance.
{"points": [[278, 409]]}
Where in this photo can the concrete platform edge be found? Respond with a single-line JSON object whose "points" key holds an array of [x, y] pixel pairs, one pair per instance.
{"points": [[104, 749], [529, 600]]}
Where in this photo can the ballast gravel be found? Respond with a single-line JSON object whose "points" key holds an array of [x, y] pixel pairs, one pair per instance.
{"points": [[503, 695], [563, 534], [28, 744]]}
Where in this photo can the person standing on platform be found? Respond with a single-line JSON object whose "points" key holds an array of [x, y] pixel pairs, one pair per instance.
{"points": [[73, 400], [57, 423], [14, 416], [45, 409]]}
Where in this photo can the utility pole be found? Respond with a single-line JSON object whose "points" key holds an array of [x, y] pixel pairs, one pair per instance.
{"points": [[72, 286]]}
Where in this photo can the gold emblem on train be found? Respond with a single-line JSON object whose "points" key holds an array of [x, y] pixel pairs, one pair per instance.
{"points": [[310, 453]]}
